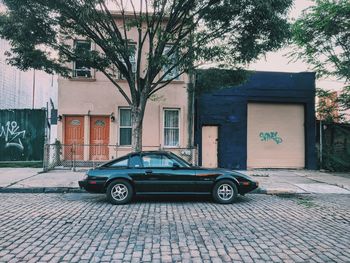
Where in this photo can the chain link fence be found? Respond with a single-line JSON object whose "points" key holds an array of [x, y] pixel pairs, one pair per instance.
{"points": [[77, 156]]}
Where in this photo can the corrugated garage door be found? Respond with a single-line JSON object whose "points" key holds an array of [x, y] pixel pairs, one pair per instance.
{"points": [[276, 137]]}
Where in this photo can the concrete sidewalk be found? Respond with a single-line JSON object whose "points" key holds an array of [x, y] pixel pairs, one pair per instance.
{"points": [[301, 181], [271, 181], [32, 180]]}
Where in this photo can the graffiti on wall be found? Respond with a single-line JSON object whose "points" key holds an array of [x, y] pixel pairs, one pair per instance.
{"points": [[268, 136], [12, 135]]}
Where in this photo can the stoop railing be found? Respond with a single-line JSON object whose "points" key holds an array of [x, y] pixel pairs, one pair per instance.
{"points": [[86, 156]]}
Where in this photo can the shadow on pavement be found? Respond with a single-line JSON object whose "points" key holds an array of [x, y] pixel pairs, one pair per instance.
{"points": [[101, 198]]}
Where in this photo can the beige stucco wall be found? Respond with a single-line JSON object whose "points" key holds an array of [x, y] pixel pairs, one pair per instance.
{"points": [[101, 97], [98, 96]]}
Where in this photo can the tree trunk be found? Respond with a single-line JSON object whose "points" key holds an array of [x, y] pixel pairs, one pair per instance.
{"points": [[137, 113]]}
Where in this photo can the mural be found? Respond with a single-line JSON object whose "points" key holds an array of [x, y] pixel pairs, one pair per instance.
{"points": [[268, 136]]}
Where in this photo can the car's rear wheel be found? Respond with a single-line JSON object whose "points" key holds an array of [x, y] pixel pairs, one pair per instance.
{"points": [[119, 192], [225, 192]]}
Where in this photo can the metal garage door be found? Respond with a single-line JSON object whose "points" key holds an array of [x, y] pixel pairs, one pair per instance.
{"points": [[276, 137]]}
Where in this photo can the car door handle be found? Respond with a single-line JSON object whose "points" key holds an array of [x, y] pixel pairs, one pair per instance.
{"points": [[148, 172]]}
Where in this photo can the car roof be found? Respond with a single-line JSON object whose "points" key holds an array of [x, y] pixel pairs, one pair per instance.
{"points": [[149, 152]]}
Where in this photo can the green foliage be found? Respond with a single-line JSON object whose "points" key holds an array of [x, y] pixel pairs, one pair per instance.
{"points": [[225, 31], [213, 78], [336, 147], [344, 99], [322, 36], [228, 32], [331, 106]]}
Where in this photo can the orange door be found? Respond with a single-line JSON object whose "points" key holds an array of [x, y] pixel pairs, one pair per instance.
{"points": [[99, 137], [74, 135]]}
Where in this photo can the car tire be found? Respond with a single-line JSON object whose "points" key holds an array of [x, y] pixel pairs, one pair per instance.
{"points": [[225, 192], [119, 192]]}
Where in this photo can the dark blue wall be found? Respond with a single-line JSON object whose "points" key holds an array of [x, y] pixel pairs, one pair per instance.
{"points": [[227, 108]]}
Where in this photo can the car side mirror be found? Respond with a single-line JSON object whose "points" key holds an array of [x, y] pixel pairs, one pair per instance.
{"points": [[176, 166]]}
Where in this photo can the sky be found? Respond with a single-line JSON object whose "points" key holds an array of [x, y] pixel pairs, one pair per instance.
{"points": [[278, 61]]}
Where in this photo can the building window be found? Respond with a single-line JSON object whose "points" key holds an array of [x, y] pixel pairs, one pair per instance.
{"points": [[132, 58], [171, 127], [125, 127], [80, 69], [171, 61]]}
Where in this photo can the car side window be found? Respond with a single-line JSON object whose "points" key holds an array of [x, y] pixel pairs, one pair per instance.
{"points": [[121, 163], [135, 161], [158, 160]]}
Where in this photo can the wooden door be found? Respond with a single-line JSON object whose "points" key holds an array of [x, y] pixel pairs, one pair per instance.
{"points": [[74, 135], [99, 138], [210, 146]]}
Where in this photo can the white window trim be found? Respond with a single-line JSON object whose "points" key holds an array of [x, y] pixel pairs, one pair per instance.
{"points": [[119, 127], [179, 127], [74, 62]]}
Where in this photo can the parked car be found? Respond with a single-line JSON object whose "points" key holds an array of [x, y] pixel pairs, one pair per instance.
{"points": [[157, 172]]}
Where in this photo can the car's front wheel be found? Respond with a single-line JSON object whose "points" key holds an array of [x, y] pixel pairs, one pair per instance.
{"points": [[225, 192], [119, 192]]}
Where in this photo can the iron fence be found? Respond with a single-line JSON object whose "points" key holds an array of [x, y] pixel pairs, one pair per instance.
{"points": [[78, 156]]}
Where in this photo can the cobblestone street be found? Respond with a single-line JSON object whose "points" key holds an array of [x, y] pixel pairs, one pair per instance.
{"points": [[257, 228]]}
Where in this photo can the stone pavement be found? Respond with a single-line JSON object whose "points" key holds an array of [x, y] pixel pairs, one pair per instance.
{"points": [[257, 228], [271, 181]]}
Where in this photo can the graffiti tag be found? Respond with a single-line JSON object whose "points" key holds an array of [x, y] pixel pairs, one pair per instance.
{"points": [[12, 135], [267, 136]]}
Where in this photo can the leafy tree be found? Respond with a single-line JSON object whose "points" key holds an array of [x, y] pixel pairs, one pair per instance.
{"points": [[322, 35], [328, 108], [224, 31]]}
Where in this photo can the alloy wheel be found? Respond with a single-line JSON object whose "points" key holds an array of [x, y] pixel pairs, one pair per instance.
{"points": [[119, 192], [225, 192]]}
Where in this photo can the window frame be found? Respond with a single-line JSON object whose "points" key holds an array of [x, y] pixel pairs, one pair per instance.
{"points": [[124, 127], [161, 157], [74, 67], [109, 165], [118, 74], [179, 127], [164, 68]]}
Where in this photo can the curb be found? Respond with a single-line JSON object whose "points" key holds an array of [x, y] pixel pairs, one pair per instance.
{"points": [[47, 190], [62, 190]]}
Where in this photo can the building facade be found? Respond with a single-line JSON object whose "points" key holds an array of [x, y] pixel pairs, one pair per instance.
{"points": [[92, 112], [24, 90], [267, 122]]}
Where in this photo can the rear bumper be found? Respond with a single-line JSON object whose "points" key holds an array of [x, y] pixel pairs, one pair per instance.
{"points": [[92, 186]]}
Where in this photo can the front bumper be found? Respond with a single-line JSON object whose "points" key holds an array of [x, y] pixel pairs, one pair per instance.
{"points": [[92, 186], [246, 187]]}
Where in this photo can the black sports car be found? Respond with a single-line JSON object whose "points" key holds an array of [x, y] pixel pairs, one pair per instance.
{"points": [[155, 172]]}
